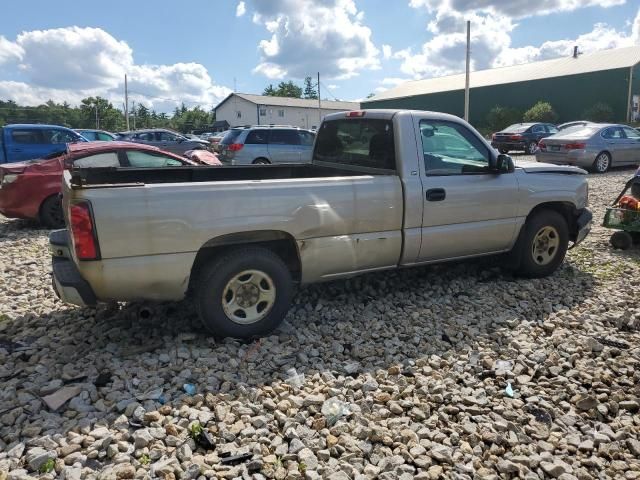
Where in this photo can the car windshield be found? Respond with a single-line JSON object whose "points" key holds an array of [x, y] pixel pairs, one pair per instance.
{"points": [[231, 136], [517, 128]]}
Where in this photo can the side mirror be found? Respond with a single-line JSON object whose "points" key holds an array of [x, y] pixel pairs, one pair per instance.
{"points": [[500, 164]]}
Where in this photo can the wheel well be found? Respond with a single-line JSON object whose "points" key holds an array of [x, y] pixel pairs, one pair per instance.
{"points": [[566, 209], [261, 158], [53, 195], [280, 243]]}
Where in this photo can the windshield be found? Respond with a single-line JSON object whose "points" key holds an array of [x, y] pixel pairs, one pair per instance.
{"points": [[231, 136], [517, 128]]}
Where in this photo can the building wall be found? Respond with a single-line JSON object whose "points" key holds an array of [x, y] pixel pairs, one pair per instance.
{"points": [[570, 96], [300, 117], [635, 93]]}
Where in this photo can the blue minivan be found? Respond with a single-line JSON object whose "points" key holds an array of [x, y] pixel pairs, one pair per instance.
{"points": [[26, 142]]}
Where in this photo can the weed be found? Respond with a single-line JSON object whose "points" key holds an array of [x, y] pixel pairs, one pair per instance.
{"points": [[47, 466]]}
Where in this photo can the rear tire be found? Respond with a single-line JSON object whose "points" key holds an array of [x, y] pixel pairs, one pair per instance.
{"points": [[531, 148], [543, 244], [244, 293], [261, 161], [621, 240], [51, 215], [602, 163]]}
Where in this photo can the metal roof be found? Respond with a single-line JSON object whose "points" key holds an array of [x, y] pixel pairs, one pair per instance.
{"points": [[293, 102], [557, 67]]}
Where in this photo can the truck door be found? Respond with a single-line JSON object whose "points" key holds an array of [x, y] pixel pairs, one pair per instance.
{"points": [[468, 210]]}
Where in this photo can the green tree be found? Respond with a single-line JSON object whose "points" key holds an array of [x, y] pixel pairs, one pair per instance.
{"points": [[284, 89], [310, 90], [500, 117], [600, 112], [269, 91], [541, 112]]}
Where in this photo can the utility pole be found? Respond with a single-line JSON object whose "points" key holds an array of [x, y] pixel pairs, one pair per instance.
{"points": [[466, 81], [97, 117], [134, 115], [319, 103], [126, 101]]}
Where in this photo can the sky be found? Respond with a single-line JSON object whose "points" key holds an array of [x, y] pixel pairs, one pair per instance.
{"points": [[198, 51]]}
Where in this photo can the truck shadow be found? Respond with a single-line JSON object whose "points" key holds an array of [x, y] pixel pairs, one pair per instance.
{"points": [[342, 329]]}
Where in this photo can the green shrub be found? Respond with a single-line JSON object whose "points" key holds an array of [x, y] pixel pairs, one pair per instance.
{"points": [[501, 117], [541, 112], [600, 112]]}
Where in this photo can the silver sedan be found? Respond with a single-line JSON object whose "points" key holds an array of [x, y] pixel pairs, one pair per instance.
{"points": [[596, 147]]}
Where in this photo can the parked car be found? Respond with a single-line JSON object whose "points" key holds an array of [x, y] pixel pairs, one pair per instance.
{"points": [[25, 142], [577, 123], [216, 138], [96, 135], [31, 189], [596, 147], [522, 136], [266, 144], [206, 136], [164, 139], [237, 239]]}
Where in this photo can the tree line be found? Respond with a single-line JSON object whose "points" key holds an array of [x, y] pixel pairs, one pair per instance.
{"points": [[290, 89], [109, 118]]}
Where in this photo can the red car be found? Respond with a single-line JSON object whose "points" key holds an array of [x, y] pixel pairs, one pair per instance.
{"points": [[31, 189]]}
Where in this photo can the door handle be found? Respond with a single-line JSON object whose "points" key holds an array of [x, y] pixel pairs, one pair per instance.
{"points": [[436, 195]]}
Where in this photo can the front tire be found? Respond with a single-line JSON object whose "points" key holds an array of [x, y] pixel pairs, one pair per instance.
{"points": [[261, 161], [602, 163], [244, 293], [621, 240], [51, 215], [543, 244]]}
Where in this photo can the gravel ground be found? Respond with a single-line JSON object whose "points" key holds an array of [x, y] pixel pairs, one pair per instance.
{"points": [[456, 371]]}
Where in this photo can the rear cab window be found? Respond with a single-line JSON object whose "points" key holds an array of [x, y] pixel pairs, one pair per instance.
{"points": [[359, 142]]}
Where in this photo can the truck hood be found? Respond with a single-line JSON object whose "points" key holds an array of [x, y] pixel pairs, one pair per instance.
{"points": [[537, 167]]}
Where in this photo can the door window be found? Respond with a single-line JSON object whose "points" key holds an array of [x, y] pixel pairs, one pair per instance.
{"points": [[104, 137], [552, 129], [306, 138], [632, 133], [538, 129], [257, 137], [89, 135], [167, 137], [144, 137], [613, 133], [148, 160], [26, 136], [107, 159], [451, 149], [284, 137]]}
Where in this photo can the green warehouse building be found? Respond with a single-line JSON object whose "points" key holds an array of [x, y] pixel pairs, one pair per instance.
{"points": [[571, 84]]}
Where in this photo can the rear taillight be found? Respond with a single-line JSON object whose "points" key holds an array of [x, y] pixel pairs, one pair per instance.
{"points": [[82, 229], [575, 146], [493, 136], [515, 137], [355, 114], [542, 145], [234, 147]]}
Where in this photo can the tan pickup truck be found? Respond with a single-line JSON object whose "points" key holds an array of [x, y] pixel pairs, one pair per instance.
{"points": [[386, 189]]}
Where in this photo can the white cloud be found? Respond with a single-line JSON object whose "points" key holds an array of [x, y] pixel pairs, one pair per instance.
{"points": [[492, 23], [386, 52], [49, 62], [9, 51], [333, 86], [241, 9], [512, 8], [309, 36]]}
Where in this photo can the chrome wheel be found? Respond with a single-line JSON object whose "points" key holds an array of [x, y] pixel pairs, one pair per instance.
{"points": [[545, 245], [532, 148], [248, 297], [602, 162]]}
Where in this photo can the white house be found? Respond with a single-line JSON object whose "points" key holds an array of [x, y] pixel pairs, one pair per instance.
{"points": [[245, 109]]}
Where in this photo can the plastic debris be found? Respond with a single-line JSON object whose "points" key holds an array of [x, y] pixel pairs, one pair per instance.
{"points": [[189, 388], [333, 410], [206, 440], [155, 394], [59, 398], [509, 390], [294, 379], [503, 365], [228, 459], [541, 415], [474, 356]]}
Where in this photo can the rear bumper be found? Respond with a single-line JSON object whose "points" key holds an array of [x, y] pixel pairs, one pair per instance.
{"points": [[509, 145], [579, 158], [67, 281]]}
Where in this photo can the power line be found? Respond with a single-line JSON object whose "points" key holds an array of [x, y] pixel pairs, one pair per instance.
{"points": [[330, 93]]}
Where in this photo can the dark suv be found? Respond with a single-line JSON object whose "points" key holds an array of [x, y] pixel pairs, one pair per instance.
{"points": [[522, 136]]}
